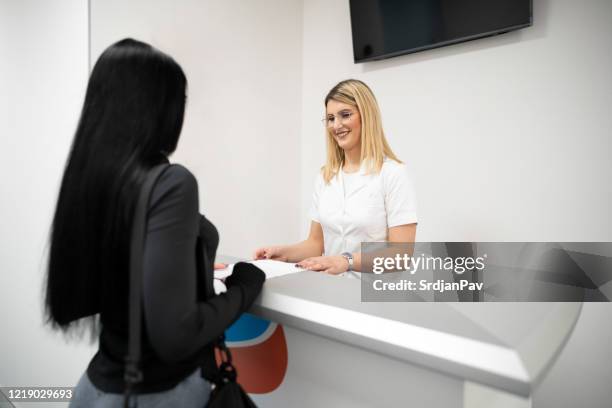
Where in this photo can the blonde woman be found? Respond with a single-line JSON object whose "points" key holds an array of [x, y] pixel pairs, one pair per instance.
{"points": [[363, 193]]}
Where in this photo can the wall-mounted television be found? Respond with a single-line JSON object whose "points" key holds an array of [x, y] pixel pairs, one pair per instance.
{"points": [[387, 28]]}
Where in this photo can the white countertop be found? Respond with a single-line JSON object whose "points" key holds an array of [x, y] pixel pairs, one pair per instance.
{"points": [[508, 346]]}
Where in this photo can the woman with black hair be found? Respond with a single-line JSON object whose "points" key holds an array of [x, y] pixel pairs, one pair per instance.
{"points": [[130, 122]]}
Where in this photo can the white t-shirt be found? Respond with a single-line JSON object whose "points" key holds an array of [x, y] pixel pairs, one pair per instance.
{"points": [[359, 207]]}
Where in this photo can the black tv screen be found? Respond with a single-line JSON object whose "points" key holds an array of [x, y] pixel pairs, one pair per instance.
{"points": [[386, 28]]}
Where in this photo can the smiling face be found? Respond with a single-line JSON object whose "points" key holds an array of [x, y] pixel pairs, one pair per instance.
{"points": [[344, 124]]}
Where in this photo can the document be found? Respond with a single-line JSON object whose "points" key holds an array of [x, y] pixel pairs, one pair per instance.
{"points": [[272, 269]]}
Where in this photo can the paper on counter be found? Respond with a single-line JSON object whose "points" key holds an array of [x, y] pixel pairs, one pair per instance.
{"points": [[219, 286], [224, 273], [272, 269]]}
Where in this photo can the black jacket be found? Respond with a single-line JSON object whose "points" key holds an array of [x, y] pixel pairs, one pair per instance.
{"points": [[181, 316]]}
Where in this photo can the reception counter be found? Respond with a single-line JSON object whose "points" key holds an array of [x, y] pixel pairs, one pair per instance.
{"points": [[344, 352]]}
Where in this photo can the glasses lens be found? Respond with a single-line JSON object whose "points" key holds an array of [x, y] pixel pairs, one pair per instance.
{"points": [[343, 117]]}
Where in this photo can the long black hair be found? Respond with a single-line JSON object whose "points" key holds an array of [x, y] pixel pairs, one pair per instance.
{"points": [[131, 119]]}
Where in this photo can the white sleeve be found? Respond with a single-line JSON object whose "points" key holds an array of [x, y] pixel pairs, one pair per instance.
{"points": [[400, 197], [314, 208]]}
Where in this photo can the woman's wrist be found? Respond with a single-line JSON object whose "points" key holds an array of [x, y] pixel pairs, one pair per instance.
{"points": [[340, 262], [349, 260]]}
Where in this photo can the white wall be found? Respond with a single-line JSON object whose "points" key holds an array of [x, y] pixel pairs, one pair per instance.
{"points": [[509, 137], [243, 64], [43, 72]]}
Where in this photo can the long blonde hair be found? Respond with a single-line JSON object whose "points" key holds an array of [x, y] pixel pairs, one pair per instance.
{"points": [[374, 146]]}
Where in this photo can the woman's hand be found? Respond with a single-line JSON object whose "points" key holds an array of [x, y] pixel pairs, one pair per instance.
{"points": [[220, 266], [273, 252], [333, 265]]}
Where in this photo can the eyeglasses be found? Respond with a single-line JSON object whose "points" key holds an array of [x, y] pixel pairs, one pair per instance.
{"points": [[344, 117]]}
